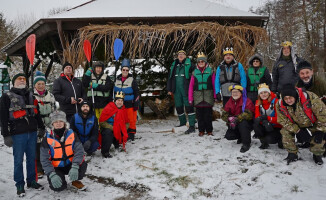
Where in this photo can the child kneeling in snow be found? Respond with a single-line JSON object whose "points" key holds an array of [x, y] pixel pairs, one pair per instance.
{"points": [[62, 154], [238, 115], [114, 123]]}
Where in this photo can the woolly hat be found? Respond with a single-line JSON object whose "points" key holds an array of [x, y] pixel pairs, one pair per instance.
{"points": [[125, 63], [119, 95], [303, 65], [289, 90], [263, 87], [16, 76], [237, 87], [39, 76], [65, 65], [98, 64], [201, 56], [58, 115]]}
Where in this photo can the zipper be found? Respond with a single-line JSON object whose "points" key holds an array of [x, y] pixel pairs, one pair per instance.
{"points": [[73, 88]]}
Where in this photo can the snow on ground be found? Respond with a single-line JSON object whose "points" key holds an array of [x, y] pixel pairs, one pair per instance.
{"points": [[164, 165]]}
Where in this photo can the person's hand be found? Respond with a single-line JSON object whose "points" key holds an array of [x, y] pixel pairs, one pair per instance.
{"points": [[219, 97], [318, 137], [170, 93], [8, 141], [55, 180], [73, 173], [80, 100], [40, 132], [93, 85], [87, 145], [73, 100], [89, 72]]}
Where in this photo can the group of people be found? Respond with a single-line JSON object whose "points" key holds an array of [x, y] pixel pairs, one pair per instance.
{"points": [[279, 109], [284, 108], [57, 137]]}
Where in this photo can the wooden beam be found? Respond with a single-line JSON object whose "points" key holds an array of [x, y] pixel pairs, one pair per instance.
{"points": [[61, 34]]}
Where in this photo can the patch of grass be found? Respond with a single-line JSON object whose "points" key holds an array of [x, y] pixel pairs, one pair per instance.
{"points": [[202, 192], [244, 170], [183, 181], [205, 162], [295, 188], [165, 173]]}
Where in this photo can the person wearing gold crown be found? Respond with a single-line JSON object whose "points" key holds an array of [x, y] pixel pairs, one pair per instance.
{"points": [[228, 73], [265, 124], [284, 70], [238, 114], [114, 123], [178, 85], [201, 94]]}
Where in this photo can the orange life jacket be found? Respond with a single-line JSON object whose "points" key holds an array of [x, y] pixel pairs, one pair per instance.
{"points": [[61, 153]]}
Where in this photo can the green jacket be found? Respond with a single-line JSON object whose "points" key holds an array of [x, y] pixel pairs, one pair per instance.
{"points": [[317, 86]]}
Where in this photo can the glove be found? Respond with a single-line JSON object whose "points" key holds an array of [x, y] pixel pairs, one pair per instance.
{"points": [[135, 108], [218, 97], [318, 137], [55, 180], [87, 145], [268, 126], [73, 173], [232, 122], [93, 85], [89, 72], [8, 141], [40, 132]]}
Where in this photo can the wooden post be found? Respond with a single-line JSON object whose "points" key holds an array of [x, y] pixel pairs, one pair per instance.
{"points": [[61, 34]]}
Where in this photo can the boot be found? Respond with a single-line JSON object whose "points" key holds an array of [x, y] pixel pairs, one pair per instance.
{"points": [[107, 155], [318, 160], [201, 134], [20, 191], [210, 133], [35, 185], [239, 141], [190, 130], [40, 175], [244, 148], [264, 145], [292, 157], [78, 185], [131, 136], [280, 145]]}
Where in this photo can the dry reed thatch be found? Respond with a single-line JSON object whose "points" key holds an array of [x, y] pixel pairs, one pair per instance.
{"points": [[142, 41]]}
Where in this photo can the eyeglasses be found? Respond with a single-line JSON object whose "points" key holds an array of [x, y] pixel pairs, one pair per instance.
{"points": [[201, 61], [21, 78], [125, 70]]}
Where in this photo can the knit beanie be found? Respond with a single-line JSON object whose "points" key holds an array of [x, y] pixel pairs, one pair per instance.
{"points": [[65, 65], [289, 90], [98, 64], [303, 65], [125, 63], [58, 115], [16, 76], [263, 87], [39, 76]]}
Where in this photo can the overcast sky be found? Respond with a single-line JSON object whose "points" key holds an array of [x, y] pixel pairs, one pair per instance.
{"points": [[39, 8]]}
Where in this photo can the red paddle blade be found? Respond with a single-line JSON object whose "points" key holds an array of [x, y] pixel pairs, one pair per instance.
{"points": [[87, 50], [30, 48]]}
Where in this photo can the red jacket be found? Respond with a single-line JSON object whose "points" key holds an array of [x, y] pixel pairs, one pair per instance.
{"points": [[266, 104], [234, 107]]}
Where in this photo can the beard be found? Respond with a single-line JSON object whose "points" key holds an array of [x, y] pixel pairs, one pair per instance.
{"points": [[85, 112], [21, 86], [306, 81]]}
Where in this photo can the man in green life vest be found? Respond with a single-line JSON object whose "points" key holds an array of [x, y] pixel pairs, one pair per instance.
{"points": [[178, 85], [100, 82], [257, 74]]}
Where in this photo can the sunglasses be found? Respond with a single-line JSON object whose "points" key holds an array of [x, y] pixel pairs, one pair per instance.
{"points": [[125, 70]]}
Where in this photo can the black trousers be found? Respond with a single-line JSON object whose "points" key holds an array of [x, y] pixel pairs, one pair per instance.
{"points": [[38, 162], [225, 100], [242, 131], [107, 140], [204, 117], [303, 136], [272, 137], [62, 171]]}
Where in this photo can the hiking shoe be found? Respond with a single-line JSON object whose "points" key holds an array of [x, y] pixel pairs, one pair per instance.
{"points": [[244, 148], [239, 141], [131, 136], [35, 185], [20, 191], [292, 157], [40, 175], [190, 130], [107, 155], [280, 145], [78, 185], [201, 134], [318, 160], [264, 146], [210, 133]]}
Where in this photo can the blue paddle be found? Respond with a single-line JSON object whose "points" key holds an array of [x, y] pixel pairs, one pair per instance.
{"points": [[117, 49]]}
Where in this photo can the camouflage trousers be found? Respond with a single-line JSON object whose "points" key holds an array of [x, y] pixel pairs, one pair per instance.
{"points": [[288, 140]]}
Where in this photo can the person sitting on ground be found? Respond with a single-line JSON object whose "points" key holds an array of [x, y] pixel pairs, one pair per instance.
{"points": [[114, 123], [85, 124], [265, 124], [62, 154], [238, 114], [297, 110]]}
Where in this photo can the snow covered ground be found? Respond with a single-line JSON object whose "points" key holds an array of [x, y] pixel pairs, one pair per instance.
{"points": [[164, 165]]}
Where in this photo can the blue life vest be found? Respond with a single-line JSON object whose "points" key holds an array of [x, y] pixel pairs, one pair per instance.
{"points": [[84, 132], [125, 87], [111, 120]]}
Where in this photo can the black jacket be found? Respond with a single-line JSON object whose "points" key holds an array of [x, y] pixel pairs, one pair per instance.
{"points": [[100, 102], [18, 126], [63, 90], [94, 133]]}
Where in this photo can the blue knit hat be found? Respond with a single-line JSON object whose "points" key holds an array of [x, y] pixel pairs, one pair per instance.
{"points": [[39, 76], [125, 63]]}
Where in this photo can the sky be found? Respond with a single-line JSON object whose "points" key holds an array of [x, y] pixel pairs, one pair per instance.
{"points": [[39, 8]]}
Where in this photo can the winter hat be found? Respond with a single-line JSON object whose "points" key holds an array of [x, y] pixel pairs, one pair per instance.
{"points": [[58, 115], [16, 76], [98, 64], [303, 65], [65, 65], [289, 90], [119, 95], [237, 87], [228, 50], [263, 87], [181, 51], [39, 76], [201, 56], [286, 44], [125, 63]]}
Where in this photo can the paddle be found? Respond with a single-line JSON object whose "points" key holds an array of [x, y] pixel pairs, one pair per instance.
{"points": [[30, 51], [117, 49], [88, 54]]}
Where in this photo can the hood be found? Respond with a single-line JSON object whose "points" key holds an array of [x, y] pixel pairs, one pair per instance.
{"points": [[293, 56], [257, 56]]}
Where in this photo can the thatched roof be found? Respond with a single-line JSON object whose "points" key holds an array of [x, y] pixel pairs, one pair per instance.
{"points": [[142, 41]]}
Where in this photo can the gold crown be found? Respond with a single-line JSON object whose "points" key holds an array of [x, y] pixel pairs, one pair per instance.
{"points": [[237, 87], [263, 85], [286, 44], [181, 51], [228, 50], [201, 55], [120, 95]]}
